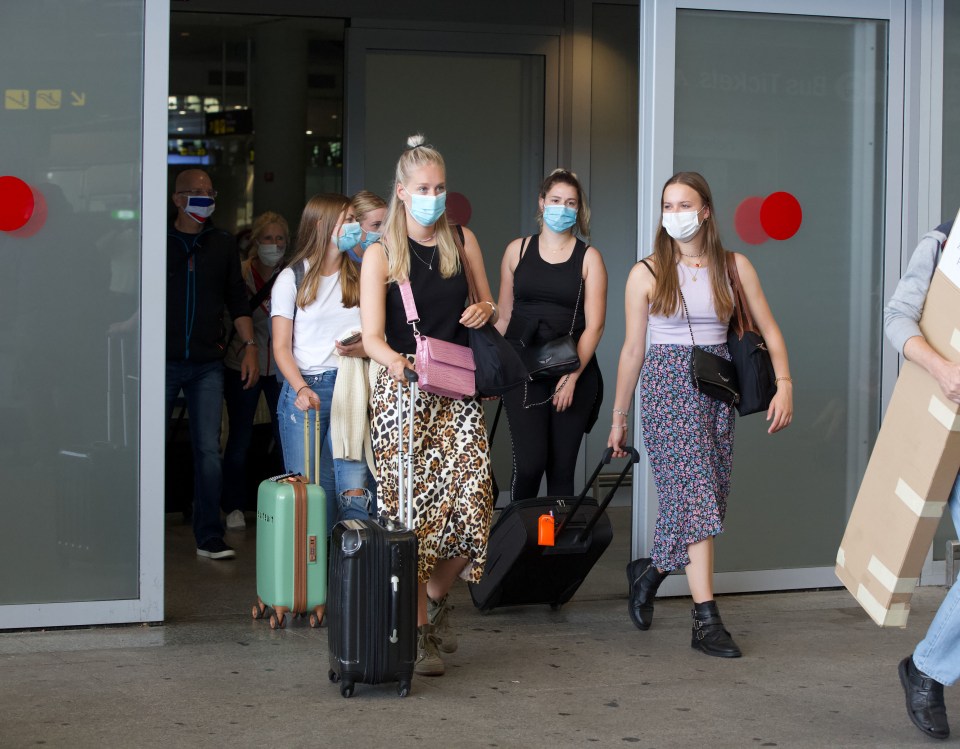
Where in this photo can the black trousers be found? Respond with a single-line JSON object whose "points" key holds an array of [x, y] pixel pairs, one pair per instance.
{"points": [[546, 441]]}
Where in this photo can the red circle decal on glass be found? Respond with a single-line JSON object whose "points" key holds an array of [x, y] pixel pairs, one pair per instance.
{"points": [[458, 208], [781, 215], [746, 220], [16, 203]]}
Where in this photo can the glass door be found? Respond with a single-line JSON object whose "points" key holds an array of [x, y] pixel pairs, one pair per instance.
{"points": [[791, 117], [82, 183]]}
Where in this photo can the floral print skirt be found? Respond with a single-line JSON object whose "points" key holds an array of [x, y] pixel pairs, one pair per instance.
{"points": [[689, 440]]}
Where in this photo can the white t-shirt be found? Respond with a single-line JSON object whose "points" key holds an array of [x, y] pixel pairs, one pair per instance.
{"points": [[317, 327]]}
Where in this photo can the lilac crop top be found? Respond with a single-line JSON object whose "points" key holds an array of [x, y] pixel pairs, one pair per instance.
{"points": [[708, 330]]}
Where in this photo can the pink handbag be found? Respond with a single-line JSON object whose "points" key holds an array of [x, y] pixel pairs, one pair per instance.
{"points": [[444, 368]]}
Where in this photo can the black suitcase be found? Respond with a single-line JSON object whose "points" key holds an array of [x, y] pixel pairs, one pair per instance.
{"points": [[519, 571], [372, 595]]}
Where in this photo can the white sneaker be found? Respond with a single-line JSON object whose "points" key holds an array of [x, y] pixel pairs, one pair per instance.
{"points": [[236, 520]]}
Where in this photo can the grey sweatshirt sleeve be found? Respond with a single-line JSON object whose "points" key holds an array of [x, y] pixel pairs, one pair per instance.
{"points": [[902, 313]]}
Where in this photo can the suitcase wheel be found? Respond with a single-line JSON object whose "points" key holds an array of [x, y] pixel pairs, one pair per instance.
{"points": [[333, 676], [258, 610], [316, 617], [346, 689], [276, 622], [403, 687], [555, 606]]}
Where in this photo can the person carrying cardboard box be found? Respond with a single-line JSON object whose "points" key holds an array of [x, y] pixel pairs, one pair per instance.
{"points": [[935, 661]]}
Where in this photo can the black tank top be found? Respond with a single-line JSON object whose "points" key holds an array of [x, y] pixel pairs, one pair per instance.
{"points": [[440, 302], [545, 296]]}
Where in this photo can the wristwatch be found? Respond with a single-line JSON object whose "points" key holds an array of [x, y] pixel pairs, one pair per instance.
{"points": [[251, 342]]}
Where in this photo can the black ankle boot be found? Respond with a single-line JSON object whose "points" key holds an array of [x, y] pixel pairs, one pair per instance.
{"points": [[709, 634], [644, 579]]}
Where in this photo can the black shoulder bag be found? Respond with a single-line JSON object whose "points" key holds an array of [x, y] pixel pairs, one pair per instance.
{"points": [[755, 375]]}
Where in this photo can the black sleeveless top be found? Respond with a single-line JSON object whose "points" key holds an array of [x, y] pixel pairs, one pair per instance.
{"points": [[545, 296], [440, 303]]}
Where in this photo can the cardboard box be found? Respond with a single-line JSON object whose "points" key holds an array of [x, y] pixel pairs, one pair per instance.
{"points": [[911, 470]]}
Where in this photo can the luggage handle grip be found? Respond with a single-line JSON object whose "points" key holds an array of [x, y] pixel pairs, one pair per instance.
{"points": [[405, 456], [605, 460], [394, 624]]}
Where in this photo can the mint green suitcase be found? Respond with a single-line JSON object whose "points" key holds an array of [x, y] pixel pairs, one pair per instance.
{"points": [[292, 543]]}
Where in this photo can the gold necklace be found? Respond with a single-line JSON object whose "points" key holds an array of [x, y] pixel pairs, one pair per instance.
{"points": [[693, 273]]}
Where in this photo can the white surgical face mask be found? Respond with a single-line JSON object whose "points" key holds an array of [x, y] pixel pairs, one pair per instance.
{"points": [[682, 226], [269, 254]]}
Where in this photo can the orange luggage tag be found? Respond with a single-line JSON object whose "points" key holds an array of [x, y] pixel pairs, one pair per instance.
{"points": [[545, 530]]}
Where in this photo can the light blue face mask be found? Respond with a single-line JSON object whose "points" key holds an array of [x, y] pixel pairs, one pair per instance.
{"points": [[426, 209], [349, 237], [372, 236], [559, 217]]}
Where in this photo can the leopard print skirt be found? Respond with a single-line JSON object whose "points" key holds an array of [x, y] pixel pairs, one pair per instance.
{"points": [[452, 489]]}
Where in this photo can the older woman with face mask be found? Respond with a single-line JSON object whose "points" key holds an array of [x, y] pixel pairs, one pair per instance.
{"points": [[268, 243]]}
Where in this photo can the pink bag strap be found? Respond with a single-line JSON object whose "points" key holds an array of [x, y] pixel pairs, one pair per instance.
{"points": [[409, 306]]}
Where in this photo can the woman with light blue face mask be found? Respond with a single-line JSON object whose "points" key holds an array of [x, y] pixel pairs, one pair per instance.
{"points": [[453, 504], [369, 210], [553, 284]]}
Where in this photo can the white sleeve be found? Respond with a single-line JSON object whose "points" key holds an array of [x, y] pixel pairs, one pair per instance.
{"points": [[283, 296]]}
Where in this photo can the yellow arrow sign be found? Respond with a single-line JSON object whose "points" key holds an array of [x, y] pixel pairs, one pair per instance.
{"points": [[78, 99]]}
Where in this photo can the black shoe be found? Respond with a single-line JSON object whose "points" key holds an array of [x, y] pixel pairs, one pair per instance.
{"points": [[215, 548], [709, 635], [644, 579], [924, 700]]}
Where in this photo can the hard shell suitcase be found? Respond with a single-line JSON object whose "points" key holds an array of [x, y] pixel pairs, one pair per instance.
{"points": [[521, 571], [373, 588], [292, 542]]}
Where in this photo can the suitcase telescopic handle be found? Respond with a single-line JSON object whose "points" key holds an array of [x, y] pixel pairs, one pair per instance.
{"points": [[405, 456], [394, 624], [316, 446], [605, 460]]}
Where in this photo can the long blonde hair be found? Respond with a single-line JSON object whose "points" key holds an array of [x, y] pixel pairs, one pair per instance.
{"points": [[666, 295], [394, 239], [319, 219]]}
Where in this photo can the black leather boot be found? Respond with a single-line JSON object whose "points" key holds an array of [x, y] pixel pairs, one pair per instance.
{"points": [[644, 579], [924, 700], [709, 635]]}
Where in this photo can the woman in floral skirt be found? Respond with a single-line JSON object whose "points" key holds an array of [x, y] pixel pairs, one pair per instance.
{"points": [[688, 436]]}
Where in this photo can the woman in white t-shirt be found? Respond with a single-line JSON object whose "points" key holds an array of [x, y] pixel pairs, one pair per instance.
{"points": [[315, 302]]}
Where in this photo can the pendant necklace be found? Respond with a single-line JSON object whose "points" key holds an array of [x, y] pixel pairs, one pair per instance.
{"points": [[432, 256], [693, 273]]}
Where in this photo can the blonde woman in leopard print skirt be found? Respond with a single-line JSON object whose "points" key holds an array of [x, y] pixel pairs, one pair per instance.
{"points": [[452, 501]]}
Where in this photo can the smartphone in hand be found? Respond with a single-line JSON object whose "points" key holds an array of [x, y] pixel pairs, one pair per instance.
{"points": [[351, 339]]}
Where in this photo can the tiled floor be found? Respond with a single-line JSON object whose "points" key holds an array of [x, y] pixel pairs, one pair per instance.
{"points": [[816, 672]]}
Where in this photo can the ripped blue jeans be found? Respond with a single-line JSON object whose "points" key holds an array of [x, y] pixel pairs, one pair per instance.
{"points": [[336, 476]]}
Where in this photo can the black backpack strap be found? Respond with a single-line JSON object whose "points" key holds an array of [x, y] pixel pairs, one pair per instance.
{"points": [[298, 272]]}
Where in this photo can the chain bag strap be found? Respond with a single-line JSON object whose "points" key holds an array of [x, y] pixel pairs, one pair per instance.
{"points": [[711, 374]]}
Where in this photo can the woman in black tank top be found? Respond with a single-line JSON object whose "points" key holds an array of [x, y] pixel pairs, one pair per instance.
{"points": [[452, 479], [552, 284]]}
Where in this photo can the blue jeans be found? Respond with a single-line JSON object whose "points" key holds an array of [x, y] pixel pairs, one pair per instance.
{"points": [[938, 654], [241, 409], [336, 476], [202, 384]]}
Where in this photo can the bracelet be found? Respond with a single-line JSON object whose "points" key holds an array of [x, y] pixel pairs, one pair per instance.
{"points": [[305, 386], [788, 379], [624, 414], [250, 342], [492, 306], [618, 426]]}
